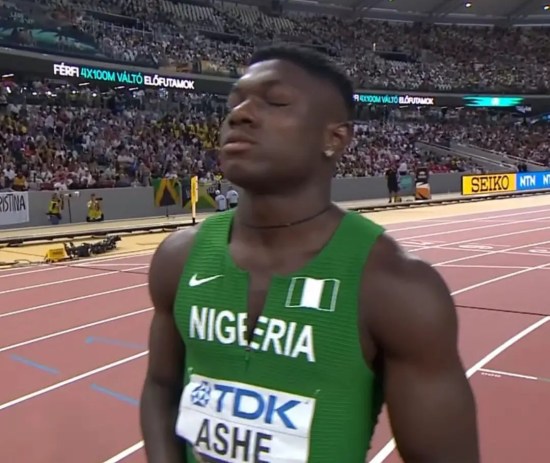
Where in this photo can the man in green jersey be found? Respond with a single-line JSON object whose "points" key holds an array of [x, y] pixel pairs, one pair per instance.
{"points": [[280, 327]]}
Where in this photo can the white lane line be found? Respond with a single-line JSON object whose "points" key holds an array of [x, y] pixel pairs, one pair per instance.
{"points": [[108, 264], [454, 221], [70, 280], [125, 453], [74, 329], [123, 361], [492, 253], [390, 446], [74, 379], [469, 229], [498, 374], [475, 240], [440, 264], [496, 267], [500, 349], [130, 254], [37, 268], [139, 445], [499, 278], [73, 299], [504, 250]]}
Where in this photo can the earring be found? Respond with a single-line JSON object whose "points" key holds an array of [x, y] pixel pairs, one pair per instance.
{"points": [[329, 153]]}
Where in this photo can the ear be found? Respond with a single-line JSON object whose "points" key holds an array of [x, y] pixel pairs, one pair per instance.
{"points": [[338, 137]]}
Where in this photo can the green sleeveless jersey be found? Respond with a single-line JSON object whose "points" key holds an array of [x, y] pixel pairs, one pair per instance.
{"points": [[301, 391]]}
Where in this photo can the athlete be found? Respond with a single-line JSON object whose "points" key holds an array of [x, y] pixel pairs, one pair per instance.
{"points": [[281, 326]]}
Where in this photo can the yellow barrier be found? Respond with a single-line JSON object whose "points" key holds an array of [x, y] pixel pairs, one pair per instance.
{"points": [[55, 255], [194, 197], [488, 183]]}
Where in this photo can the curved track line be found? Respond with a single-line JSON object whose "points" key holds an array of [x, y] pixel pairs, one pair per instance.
{"points": [[451, 221], [43, 267], [70, 280], [458, 230], [73, 299], [125, 453], [72, 330], [390, 446], [55, 386]]}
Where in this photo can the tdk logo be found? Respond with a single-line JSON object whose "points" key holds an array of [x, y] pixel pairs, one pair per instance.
{"points": [[201, 394], [246, 404]]}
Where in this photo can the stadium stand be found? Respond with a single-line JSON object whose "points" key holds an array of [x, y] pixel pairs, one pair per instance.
{"points": [[223, 35], [439, 57], [77, 143], [70, 137]]}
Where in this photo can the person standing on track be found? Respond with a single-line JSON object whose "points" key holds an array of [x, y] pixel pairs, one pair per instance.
{"points": [[392, 181], [232, 197], [221, 201], [281, 326]]}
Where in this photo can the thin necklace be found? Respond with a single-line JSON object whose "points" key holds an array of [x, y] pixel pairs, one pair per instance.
{"points": [[289, 224]]}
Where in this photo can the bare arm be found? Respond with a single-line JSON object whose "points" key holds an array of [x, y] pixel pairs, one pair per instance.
{"points": [[414, 326], [164, 379]]}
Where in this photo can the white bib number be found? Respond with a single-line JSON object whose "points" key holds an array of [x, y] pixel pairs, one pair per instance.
{"points": [[236, 422]]}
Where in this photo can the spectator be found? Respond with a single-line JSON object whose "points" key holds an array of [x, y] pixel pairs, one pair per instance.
{"points": [[66, 138], [73, 148], [220, 38]]}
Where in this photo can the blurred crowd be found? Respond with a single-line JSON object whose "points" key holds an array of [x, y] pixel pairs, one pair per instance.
{"points": [[89, 139], [218, 37], [63, 138], [55, 136]]}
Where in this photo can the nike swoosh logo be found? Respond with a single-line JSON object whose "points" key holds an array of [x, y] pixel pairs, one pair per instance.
{"points": [[194, 281]]}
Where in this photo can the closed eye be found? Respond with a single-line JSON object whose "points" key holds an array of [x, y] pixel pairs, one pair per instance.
{"points": [[272, 103]]}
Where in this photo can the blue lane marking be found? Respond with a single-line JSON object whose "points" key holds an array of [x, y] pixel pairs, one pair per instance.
{"points": [[116, 395], [31, 363], [114, 342]]}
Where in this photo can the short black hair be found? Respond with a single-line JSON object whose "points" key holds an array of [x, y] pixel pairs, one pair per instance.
{"points": [[315, 63]]}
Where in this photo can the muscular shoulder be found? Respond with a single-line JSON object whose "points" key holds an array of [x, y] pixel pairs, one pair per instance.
{"points": [[390, 264], [167, 266], [407, 301]]}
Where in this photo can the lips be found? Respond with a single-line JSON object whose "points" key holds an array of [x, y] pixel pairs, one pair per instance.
{"points": [[238, 138], [237, 143]]}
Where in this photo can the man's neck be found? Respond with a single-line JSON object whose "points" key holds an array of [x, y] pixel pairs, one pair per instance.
{"points": [[273, 219], [276, 210]]}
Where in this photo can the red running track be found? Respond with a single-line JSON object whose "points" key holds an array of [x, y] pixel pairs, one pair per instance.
{"points": [[73, 343]]}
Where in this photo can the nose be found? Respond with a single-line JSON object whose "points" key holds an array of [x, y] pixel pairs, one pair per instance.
{"points": [[243, 114]]}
